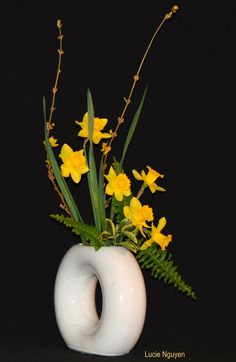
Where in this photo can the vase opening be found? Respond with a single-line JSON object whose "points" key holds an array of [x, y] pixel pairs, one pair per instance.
{"points": [[98, 299]]}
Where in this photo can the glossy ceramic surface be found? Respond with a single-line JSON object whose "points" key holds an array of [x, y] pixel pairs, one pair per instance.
{"points": [[123, 300]]}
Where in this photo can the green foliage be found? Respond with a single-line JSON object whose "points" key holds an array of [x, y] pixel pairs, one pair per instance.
{"points": [[122, 234], [118, 207], [162, 267], [92, 174], [101, 195], [117, 166], [90, 233]]}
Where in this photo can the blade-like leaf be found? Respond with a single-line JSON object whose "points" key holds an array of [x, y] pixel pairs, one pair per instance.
{"points": [[129, 245], [130, 236], [92, 174], [132, 127], [101, 195]]}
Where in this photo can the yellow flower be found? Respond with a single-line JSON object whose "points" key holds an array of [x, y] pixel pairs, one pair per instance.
{"points": [[157, 236], [175, 8], [138, 214], [105, 148], [99, 124], [53, 142], [119, 185], [74, 163], [149, 179]]}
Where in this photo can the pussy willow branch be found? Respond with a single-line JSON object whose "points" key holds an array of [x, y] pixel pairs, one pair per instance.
{"points": [[136, 77], [50, 125]]}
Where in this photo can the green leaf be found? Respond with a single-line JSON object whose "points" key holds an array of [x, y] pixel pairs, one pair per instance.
{"points": [[132, 127], [111, 227], [101, 196], [92, 174], [113, 206], [117, 166], [128, 245], [161, 266], [91, 233], [57, 173], [130, 236]]}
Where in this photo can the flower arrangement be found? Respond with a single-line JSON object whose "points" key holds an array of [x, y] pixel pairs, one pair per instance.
{"points": [[120, 217]]}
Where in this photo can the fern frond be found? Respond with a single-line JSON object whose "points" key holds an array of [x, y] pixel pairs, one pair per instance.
{"points": [[162, 267], [91, 233]]}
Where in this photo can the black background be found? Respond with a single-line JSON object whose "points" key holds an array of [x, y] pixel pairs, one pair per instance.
{"points": [[186, 132]]}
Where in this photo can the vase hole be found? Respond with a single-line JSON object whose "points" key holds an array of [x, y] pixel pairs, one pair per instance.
{"points": [[98, 299]]}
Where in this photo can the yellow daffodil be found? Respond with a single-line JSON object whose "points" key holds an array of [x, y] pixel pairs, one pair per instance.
{"points": [[149, 179], [157, 236], [99, 124], [74, 163], [119, 185], [138, 214], [53, 142]]}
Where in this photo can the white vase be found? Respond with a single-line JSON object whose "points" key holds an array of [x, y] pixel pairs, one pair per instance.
{"points": [[123, 300]]}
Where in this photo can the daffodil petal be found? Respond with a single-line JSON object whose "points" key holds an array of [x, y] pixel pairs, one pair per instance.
{"points": [[127, 192], [161, 224], [66, 152], [140, 227], [111, 175], [97, 136], [65, 171], [100, 123], [84, 169], [109, 190], [135, 204], [106, 135], [127, 212], [119, 195], [143, 174], [146, 244], [152, 188], [85, 118], [158, 188], [137, 175], [76, 176], [83, 133]]}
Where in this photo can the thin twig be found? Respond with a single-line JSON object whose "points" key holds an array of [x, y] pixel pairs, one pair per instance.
{"points": [[55, 87], [51, 177], [136, 77], [50, 125]]}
